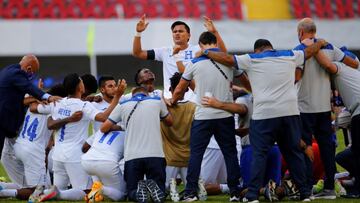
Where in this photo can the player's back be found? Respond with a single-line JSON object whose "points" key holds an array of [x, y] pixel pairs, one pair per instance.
{"points": [[106, 147], [314, 87], [34, 133], [70, 137]]}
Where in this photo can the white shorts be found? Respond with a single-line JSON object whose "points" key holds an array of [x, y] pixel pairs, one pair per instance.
{"points": [[108, 172], [13, 166], [213, 168], [174, 172], [34, 166], [70, 172]]}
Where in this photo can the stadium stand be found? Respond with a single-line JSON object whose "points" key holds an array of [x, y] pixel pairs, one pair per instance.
{"points": [[128, 9]]}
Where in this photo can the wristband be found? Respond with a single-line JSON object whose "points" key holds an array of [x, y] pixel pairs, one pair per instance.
{"points": [[138, 34]]}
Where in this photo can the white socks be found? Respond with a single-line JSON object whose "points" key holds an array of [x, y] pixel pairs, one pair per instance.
{"points": [[8, 193], [9, 185], [72, 194], [224, 188], [113, 194]]}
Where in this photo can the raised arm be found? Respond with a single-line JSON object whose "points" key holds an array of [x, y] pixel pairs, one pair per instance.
{"points": [[119, 92], [140, 27], [209, 25]]}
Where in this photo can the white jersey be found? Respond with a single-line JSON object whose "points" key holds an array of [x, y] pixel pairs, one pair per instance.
{"points": [[102, 106], [165, 55], [106, 147], [70, 138], [34, 133]]}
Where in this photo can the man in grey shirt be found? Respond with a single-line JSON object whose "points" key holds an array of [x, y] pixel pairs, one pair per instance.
{"points": [[314, 104], [211, 79], [276, 115], [346, 80]]}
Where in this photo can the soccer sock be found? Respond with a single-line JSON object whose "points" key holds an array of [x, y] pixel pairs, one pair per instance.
{"points": [[8, 193], [9, 185], [72, 194], [224, 188], [112, 193]]}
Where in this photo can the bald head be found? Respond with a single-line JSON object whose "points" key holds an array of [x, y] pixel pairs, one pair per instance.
{"points": [[307, 25], [30, 64]]}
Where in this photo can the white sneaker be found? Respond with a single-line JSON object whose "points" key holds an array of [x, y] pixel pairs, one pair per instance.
{"points": [[174, 195], [202, 194]]}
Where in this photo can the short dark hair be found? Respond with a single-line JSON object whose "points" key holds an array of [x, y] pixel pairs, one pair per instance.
{"points": [[207, 38], [70, 83], [58, 90], [90, 83], [138, 89], [180, 23], [174, 80], [103, 79], [136, 77], [261, 44]]}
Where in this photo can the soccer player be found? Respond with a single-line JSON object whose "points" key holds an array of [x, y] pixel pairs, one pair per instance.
{"points": [[347, 82], [215, 79], [102, 161], [314, 104], [29, 153], [276, 115], [70, 138], [143, 152], [181, 35], [107, 88], [176, 140]]}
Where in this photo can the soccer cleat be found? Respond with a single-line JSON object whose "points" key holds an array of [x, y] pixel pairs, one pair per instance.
{"points": [[290, 190], [51, 194], [189, 197], [202, 194], [318, 187], [156, 194], [270, 191], [339, 189], [95, 195], [249, 201], [174, 195], [326, 194], [234, 197], [34, 197], [142, 192]]}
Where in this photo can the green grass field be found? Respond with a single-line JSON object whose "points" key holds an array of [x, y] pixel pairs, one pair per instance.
{"points": [[219, 198]]}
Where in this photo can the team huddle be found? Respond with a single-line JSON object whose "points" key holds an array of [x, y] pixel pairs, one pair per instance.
{"points": [[272, 136]]}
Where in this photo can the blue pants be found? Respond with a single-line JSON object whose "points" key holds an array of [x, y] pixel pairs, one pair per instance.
{"points": [[319, 125], [224, 132], [135, 169], [286, 131], [273, 165], [350, 158]]}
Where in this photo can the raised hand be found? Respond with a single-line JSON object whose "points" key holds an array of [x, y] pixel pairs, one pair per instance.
{"points": [[142, 24], [209, 25], [121, 87]]}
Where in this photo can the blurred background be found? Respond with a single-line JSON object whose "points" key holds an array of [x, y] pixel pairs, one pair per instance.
{"points": [[96, 36]]}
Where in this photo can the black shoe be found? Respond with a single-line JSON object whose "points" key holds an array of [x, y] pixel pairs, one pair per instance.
{"points": [[192, 197], [234, 197], [142, 193], [157, 195]]}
